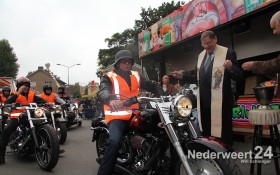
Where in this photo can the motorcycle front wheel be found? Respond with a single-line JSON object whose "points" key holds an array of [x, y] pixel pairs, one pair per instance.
{"points": [[62, 135], [207, 166], [47, 152], [101, 143]]}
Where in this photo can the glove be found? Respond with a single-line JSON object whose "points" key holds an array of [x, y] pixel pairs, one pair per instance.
{"points": [[115, 105]]}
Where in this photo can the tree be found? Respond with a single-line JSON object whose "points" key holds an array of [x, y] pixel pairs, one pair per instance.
{"points": [[76, 90], [86, 91], [8, 60], [128, 39]]}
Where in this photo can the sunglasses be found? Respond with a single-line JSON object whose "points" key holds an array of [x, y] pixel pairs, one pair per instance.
{"points": [[124, 61]]}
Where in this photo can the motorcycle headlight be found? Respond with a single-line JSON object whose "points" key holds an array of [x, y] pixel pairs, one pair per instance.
{"points": [[182, 106], [39, 112], [57, 110]]}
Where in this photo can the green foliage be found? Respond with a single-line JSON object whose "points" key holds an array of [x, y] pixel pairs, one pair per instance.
{"points": [[8, 60], [128, 39], [120, 39], [86, 91], [76, 90]]}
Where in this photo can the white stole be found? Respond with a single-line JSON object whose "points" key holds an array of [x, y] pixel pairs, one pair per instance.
{"points": [[216, 89]]}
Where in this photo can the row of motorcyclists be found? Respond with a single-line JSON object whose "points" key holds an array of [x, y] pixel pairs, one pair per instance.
{"points": [[23, 95]]}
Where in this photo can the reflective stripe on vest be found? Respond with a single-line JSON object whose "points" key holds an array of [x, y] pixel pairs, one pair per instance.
{"points": [[49, 98], [120, 87]]}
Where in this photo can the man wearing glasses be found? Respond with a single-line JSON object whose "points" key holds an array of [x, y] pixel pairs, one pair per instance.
{"points": [[117, 86], [216, 67]]}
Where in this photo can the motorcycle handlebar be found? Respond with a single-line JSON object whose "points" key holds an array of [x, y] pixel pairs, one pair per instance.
{"points": [[133, 100], [18, 105]]}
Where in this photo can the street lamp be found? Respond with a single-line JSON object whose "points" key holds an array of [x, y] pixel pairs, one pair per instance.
{"points": [[68, 67]]}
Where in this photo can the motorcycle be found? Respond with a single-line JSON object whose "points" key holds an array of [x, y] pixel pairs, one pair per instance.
{"points": [[160, 139], [34, 136], [72, 115], [57, 121]]}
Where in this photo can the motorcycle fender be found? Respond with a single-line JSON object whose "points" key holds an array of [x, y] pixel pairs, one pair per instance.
{"points": [[206, 142], [97, 131], [98, 126]]}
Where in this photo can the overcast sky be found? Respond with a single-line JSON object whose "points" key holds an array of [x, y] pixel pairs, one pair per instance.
{"points": [[67, 32]]}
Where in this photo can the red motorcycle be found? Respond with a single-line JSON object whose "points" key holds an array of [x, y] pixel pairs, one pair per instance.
{"points": [[161, 138]]}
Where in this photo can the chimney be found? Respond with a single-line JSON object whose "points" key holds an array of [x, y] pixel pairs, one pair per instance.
{"points": [[40, 68]]}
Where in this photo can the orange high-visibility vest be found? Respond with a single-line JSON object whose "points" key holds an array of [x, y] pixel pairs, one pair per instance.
{"points": [[22, 100], [120, 87], [49, 98], [3, 98]]}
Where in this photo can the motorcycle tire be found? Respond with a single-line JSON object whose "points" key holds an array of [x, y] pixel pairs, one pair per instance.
{"points": [[211, 166], [79, 123], [101, 143], [47, 152], [63, 133]]}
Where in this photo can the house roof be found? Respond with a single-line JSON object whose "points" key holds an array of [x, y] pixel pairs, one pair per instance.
{"points": [[4, 82], [57, 80]]}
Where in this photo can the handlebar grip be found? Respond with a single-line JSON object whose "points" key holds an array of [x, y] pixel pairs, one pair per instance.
{"points": [[130, 101]]}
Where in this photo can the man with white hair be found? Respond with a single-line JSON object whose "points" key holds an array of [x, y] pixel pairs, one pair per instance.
{"points": [[269, 66]]}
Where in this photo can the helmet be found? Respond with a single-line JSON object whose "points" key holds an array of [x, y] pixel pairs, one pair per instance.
{"points": [[62, 88], [122, 54], [22, 81], [6, 88], [47, 86]]}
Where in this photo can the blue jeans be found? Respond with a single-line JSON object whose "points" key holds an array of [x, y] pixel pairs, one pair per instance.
{"points": [[117, 130]]}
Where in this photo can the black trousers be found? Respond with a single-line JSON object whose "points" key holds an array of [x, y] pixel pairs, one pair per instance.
{"points": [[227, 133], [4, 140]]}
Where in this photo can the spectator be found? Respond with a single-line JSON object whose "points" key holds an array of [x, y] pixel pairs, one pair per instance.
{"points": [[269, 66], [168, 89]]}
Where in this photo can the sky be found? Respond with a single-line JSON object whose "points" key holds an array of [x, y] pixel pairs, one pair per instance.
{"points": [[66, 32]]}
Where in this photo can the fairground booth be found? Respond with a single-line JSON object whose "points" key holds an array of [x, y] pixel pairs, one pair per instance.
{"points": [[173, 43]]}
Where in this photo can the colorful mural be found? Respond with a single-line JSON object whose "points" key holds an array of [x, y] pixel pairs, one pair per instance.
{"points": [[193, 18]]}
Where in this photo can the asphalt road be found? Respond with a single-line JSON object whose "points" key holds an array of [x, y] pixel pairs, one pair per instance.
{"points": [[78, 159], [80, 155]]}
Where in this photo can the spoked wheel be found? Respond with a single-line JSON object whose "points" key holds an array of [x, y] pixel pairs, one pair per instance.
{"points": [[47, 153], [101, 143], [207, 166], [62, 134]]}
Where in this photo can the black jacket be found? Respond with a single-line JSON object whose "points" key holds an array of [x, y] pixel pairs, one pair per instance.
{"points": [[105, 94]]}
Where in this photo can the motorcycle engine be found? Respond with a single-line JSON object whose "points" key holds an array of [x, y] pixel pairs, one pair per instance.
{"points": [[143, 148]]}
